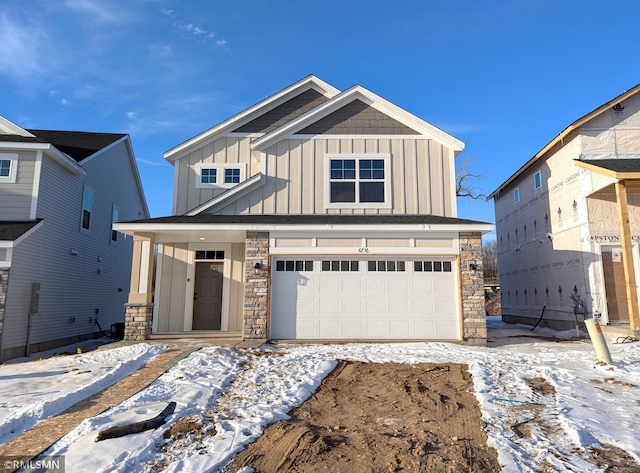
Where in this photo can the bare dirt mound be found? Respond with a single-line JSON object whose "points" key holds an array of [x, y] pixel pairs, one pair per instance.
{"points": [[388, 417]]}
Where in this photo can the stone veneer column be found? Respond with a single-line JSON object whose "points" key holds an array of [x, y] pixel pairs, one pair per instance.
{"points": [[256, 286], [4, 283], [474, 320], [137, 321]]}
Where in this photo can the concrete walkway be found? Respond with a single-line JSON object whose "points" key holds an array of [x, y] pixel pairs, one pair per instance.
{"points": [[40, 437]]}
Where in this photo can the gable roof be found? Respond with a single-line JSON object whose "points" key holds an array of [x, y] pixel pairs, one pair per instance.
{"points": [[77, 144], [359, 93], [235, 123], [625, 168], [560, 138]]}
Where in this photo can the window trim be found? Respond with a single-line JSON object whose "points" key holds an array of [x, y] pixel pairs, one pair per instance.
{"points": [[538, 175], [516, 195], [220, 175], [386, 157], [86, 189], [13, 168]]}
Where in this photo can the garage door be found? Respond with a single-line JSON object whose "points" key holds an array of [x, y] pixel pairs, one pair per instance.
{"points": [[364, 299]]}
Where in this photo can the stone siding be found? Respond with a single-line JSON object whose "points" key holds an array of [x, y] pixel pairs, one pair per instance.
{"points": [[474, 320], [137, 321], [256, 286]]}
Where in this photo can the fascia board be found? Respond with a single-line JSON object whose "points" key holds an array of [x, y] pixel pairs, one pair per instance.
{"points": [[131, 228], [374, 100], [248, 114], [574, 126], [14, 128], [227, 197], [607, 172], [50, 150]]}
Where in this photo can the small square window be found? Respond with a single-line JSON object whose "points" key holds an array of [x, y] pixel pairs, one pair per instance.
{"points": [[391, 265], [335, 266], [231, 176], [437, 266], [417, 266], [299, 265], [326, 265], [355, 266], [344, 266], [308, 265], [208, 176], [428, 266], [371, 265], [446, 266], [289, 265], [5, 168], [400, 265]]}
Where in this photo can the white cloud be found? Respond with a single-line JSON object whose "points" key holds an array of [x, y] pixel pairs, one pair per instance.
{"points": [[53, 93], [65, 102], [132, 114], [97, 11], [22, 47], [151, 162], [169, 13]]}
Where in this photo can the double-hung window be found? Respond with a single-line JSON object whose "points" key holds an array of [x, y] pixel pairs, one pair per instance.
{"points": [[209, 175], [87, 208], [537, 180], [358, 181], [8, 167]]}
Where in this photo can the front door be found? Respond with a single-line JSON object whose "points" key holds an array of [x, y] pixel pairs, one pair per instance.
{"points": [[207, 297], [614, 285]]}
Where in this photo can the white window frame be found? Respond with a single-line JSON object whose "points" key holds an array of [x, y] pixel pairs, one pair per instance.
{"points": [[537, 176], [386, 157], [115, 217], [13, 168], [516, 195], [220, 175], [86, 189]]}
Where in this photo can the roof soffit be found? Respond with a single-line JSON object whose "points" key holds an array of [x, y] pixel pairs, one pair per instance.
{"points": [[251, 113], [358, 92]]}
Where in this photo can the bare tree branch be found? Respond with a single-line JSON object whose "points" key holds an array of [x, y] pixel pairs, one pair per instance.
{"points": [[465, 178]]}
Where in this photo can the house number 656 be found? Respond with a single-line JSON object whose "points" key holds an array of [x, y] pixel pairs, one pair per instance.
{"points": [[363, 250]]}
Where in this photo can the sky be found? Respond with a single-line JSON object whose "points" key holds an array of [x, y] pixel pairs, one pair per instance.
{"points": [[504, 76]]}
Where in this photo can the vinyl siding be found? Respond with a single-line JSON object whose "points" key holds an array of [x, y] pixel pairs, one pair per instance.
{"points": [[71, 286], [16, 197], [422, 177]]}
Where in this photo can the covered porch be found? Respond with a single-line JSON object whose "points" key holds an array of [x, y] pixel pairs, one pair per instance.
{"points": [[614, 225]]}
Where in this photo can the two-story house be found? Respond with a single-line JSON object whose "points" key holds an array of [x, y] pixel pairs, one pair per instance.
{"points": [[64, 272], [314, 214], [568, 224]]}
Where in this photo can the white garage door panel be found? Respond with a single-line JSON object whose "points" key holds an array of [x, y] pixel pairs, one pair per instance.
{"points": [[356, 303]]}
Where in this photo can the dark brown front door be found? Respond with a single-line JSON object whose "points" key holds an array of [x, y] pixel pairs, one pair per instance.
{"points": [[207, 297], [614, 285]]}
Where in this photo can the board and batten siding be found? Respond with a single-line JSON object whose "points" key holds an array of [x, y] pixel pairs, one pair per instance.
{"points": [[16, 196], [224, 150], [171, 281], [98, 277], [422, 177]]}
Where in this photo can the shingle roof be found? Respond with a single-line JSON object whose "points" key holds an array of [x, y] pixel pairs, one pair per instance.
{"points": [[77, 144], [19, 139], [331, 219], [617, 165], [10, 231]]}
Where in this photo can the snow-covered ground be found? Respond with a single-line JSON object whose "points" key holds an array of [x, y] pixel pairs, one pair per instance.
{"points": [[34, 390], [245, 391]]}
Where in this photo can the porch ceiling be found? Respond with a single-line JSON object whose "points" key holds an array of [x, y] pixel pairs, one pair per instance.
{"points": [[202, 235]]}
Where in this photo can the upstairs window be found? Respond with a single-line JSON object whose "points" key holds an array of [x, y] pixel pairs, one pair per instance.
{"points": [[210, 175], [8, 167], [115, 215], [87, 208], [537, 180], [358, 181], [516, 195]]}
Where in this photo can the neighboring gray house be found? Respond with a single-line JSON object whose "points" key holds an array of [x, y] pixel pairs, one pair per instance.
{"points": [[60, 192], [314, 214], [568, 222]]}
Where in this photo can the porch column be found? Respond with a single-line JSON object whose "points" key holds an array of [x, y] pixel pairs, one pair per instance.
{"points": [[627, 254], [474, 319], [139, 308], [256, 285]]}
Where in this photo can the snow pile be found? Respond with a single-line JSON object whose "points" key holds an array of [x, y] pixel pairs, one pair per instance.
{"points": [[34, 390]]}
